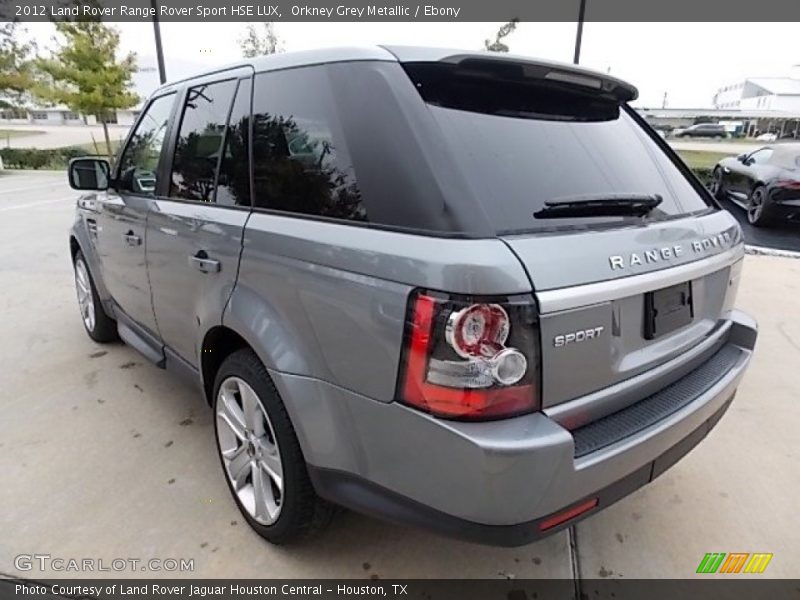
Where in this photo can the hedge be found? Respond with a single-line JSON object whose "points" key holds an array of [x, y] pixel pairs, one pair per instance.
{"points": [[39, 158], [703, 174]]}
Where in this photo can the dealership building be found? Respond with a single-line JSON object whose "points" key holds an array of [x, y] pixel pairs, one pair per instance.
{"points": [[145, 81]]}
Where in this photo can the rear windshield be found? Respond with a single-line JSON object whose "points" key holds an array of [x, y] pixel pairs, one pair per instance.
{"points": [[521, 142]]}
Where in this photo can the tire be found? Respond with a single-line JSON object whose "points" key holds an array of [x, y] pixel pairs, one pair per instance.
{"points": [[717, 188], [248, 447], [100, 327], [758, 214]]}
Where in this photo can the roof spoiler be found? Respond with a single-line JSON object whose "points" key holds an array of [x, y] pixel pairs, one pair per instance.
{"points": [[514, 67]]}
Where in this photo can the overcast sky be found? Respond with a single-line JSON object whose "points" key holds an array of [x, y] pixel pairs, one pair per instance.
{"points": [[688, 61]]}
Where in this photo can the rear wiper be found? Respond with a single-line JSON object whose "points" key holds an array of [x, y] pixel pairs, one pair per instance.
{"points": [[600, 205]]}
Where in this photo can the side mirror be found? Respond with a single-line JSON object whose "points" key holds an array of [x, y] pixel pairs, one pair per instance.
{"points": [[89, 174], [741, 158]]}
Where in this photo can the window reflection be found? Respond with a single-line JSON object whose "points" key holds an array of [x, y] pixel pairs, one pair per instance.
{"points": [[197, 150], [139, 162], [301, 164]]}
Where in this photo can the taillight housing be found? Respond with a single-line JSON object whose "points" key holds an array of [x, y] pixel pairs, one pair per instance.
{"points": [[470, 357]]}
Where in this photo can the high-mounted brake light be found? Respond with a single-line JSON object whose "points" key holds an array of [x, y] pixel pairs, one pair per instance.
{"points": [[470, 359]]}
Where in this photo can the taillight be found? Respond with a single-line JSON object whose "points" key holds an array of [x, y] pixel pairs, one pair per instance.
{"points": [[470, 357], [788, 184]]}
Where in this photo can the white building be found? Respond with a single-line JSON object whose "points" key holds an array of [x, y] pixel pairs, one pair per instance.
{"points": [[762, 93], [145, 81]]}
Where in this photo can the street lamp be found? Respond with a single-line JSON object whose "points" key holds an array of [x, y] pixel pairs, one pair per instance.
{"points": [[162, 72], [581, 12]]}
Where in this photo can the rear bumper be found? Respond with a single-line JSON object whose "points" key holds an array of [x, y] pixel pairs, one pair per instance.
{"points": [[493, 482]]}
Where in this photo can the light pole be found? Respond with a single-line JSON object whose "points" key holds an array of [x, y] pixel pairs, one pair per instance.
{"points": [[581, 12], [162, 72]]}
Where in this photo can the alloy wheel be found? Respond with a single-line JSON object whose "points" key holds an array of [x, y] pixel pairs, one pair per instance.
{"points": [[83, 285], [716, 183], [249, 450], [756, 205]]}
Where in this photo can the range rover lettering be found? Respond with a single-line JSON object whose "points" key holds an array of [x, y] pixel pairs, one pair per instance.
{"points": [[462, 291]]}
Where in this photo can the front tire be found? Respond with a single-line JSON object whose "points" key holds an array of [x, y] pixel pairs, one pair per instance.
{"points": [[717, 187], [757, 209], [100, 327], [261, 456]]}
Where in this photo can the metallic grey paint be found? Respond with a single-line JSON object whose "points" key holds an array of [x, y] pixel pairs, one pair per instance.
{"points": [[323, 304]]}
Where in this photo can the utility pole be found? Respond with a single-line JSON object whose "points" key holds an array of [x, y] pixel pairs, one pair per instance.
{"points": [[581, 13], [162, 72]]}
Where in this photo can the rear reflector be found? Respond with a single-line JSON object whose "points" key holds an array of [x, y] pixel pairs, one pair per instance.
{"points": [[566, 515]]}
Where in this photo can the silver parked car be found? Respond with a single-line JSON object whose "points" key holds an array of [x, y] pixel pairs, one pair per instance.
{"points": [[464, 291]]}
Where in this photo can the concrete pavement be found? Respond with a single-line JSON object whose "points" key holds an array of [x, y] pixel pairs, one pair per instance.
{"points": [[106, 456], [59, 136]]}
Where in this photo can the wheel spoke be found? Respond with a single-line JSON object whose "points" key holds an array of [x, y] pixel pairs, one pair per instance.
{"points": [[262, 495], [238, 467], [271, 463], [230, 414], [253, 417]]}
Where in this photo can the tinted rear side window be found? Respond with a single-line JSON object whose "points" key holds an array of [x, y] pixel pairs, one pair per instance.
{"points": [[233, 183], [520, 143], [300, 158], [197, 150]]}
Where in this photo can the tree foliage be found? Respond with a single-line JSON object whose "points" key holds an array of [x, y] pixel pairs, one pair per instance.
{"points": [[84, 71], [260, 43], [505, 30], [16, 67]]}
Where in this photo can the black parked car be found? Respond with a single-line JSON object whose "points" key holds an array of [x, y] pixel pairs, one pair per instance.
{"points": [[766, 182], [713, 130]]}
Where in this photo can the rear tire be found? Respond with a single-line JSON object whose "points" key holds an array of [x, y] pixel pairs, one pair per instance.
{"points": [[261, 456], [758, 214], [100, 327]]}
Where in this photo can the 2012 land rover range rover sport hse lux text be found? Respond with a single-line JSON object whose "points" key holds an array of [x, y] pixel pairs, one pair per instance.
{"points": [[469, 292]]}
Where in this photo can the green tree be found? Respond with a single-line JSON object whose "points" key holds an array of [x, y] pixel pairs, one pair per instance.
{"points": [[85, 73], [16, 67], [260, 43], [505, 30]]}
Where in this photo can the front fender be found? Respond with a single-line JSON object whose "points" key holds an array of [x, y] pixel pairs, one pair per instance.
{"points": [[84, 240]]}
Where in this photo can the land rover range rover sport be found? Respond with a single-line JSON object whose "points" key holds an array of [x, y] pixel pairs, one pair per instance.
{"points": [[465, 291]]}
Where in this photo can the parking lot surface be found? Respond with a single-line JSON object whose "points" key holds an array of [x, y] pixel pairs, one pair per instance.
{"points": [[105, 456], [781, 235]]}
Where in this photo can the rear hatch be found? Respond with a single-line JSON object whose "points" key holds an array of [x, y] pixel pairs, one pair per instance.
{"points": [[631, 264]]}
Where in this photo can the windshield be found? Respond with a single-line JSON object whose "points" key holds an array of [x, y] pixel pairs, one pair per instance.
{"points": [[522, 143]]}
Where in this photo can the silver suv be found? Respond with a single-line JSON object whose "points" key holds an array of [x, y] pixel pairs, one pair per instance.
{"points": [[469, 292]]}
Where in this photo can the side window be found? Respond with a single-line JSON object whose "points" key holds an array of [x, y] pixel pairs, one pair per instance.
{"points": [[138, 172], [233, 183], [199, 143], [300, 160], [759, 157]]}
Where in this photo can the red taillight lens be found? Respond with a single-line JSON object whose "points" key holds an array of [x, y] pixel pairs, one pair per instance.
{"points": [[788, 184], [465, 358]]}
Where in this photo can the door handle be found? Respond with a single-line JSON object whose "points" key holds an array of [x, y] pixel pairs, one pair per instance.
{"points": [[132, 239], [202, 263]]}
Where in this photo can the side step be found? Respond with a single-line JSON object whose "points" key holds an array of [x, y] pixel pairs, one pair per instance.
{"points": [[142, 343]]}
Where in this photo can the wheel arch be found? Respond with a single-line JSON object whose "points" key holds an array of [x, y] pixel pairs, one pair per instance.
{"points": [[218, 343], [74, 247]]}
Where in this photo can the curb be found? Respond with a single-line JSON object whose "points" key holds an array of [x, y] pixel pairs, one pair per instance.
{"points": [[762, 251]]}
